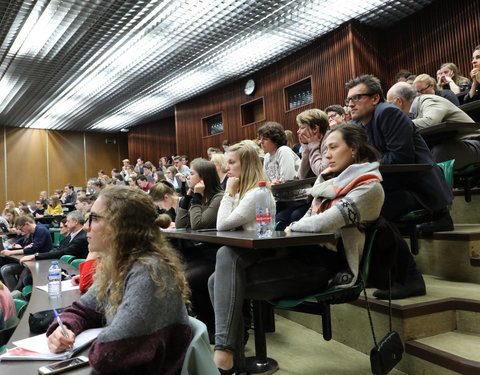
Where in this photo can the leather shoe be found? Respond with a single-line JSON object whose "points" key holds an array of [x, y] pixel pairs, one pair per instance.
{"points": [[414, 286], [441, 224]]}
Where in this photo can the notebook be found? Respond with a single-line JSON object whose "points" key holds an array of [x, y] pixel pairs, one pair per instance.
{"points": [[35, 348]]}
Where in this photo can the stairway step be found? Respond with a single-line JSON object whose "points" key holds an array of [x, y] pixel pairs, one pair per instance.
{"points": [[466, 212], [449, 254], [455, 350]]}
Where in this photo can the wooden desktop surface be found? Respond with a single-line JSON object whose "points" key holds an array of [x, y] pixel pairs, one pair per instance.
{"points": [[458, 128], [249, 239], [39, 301]]}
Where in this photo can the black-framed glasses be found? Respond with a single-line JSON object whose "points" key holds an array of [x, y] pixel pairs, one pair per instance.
{"points": [[422, 91], [356, 98], [94, 217]]}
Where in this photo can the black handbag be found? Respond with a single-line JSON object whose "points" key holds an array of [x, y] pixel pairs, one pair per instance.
{"points": [[388, 351], [41, 320]]}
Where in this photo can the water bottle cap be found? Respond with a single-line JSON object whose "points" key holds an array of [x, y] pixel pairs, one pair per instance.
{"points": [[262, 183], [55, 262]]}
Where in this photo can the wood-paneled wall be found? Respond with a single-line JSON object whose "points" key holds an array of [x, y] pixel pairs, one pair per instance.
{"points": [[152, 141], [444, 31], [33, 160]]}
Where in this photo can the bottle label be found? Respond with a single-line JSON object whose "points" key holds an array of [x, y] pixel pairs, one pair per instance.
{"points": [[264, 217]]}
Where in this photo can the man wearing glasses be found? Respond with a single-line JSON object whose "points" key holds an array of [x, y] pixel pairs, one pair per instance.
{"points": [[426, 85], [395, 136]]}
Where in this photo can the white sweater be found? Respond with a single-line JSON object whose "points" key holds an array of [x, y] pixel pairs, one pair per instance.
{"points": [[234, 213], [282, 165]]}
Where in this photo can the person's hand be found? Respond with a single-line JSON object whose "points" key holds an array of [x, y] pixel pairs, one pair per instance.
{"points": [[6, 252], [475, 75], [58, 343], [233, 183], [190, 191], [287, 230], [28, 246], [276, 181], [75, 280], [181, 176], [27, 258], [199, 187]]}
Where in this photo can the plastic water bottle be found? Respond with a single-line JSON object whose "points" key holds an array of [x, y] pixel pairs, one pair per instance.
{"points": [[264, 215], [54, 280], [5, 243]]}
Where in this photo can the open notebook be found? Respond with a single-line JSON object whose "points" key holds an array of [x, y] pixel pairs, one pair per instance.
{"points": [[36, 347]]}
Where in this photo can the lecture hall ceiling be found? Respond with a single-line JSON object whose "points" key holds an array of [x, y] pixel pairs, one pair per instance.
{"points": [[104, 65]]}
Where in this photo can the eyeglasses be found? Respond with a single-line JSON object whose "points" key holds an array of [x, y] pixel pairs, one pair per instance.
{"points": [[333, 115], [94, 217], [422, 91], [355, 98]]}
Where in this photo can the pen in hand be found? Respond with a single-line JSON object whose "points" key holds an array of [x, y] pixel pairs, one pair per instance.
{"points": [[66, 275], [60, 324]]}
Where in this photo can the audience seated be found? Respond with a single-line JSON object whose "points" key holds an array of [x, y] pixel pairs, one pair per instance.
{"points": [[395, 136], [143, 183], [43, 195], [336, 115], [182, 168], [290, 138], [198, 210], [449, 78], [139, 165], [124, 172], [11, 216], [428, 110], [158, 176], [9, 205], [69, 195], [410, 79], [426, 85], [474, 93], [54, 206], [148, 170], [212, 150], [312, 126], [139, 296], [166, 198], [402, 75], [220, 162]]}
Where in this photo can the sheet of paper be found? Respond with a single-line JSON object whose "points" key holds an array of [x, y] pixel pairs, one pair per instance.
{"points": [[66, 285], [36, 347]]}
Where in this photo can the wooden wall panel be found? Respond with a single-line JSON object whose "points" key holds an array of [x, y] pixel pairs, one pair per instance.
{"points": [[322, 60], [26, 151], [445, 31], [152, 141], [101, 155], [66, 159], [3, 194]]}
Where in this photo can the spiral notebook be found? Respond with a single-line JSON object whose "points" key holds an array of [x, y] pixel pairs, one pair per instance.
{"points": [[35, 348]]}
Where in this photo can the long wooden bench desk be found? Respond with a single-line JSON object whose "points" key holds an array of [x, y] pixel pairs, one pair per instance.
{"points": [[456, 128], [39, 301]]}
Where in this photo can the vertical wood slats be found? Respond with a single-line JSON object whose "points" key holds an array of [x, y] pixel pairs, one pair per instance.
{"points": [[444, 31]]}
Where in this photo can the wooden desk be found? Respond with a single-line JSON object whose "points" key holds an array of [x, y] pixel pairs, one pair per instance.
{"points": [[260, 364], [294, 184], [404, 168], [472, 109], [457, 128], [249, 239], [39, 301]]}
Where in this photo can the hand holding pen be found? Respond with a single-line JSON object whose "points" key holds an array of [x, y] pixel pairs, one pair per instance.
{"points": [[62, 338]]}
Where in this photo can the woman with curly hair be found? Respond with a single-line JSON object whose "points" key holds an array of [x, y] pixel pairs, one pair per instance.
{"points": [[139, 295]]}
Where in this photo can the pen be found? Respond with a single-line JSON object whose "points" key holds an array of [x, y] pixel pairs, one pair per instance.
{"points": [[60, 323], [66, 275]]}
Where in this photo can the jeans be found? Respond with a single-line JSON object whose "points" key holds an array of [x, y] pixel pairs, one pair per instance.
{"points": [[283, 273]]}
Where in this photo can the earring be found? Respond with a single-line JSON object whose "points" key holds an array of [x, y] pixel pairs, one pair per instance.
{"points": [[353, 156]]}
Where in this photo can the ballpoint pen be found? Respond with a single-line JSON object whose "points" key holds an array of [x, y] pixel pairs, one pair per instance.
{"points": [[60, 324], [66, 275]]}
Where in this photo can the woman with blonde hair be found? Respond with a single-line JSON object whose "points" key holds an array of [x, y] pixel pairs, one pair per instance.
{"points": [[220, 162], [237, 209], [450, 78], [9, 205], [426, 85], [54, 206], [139, 295]]}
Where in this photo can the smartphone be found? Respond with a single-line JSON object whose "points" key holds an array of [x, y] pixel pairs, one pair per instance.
{"points": [[62, 366]]}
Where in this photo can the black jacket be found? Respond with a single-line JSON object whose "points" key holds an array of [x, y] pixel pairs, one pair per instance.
{"points": [[78, 247]]}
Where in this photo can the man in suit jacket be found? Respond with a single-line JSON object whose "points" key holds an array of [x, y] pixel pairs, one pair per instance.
{"points": [[75, 243], [429, 110], [395, 136]]}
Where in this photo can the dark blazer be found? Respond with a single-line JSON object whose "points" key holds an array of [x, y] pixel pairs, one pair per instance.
{"points": [[78, 247], [395, 136]]}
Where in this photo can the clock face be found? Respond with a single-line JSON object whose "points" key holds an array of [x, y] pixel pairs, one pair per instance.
{"points": [[249, 87]]}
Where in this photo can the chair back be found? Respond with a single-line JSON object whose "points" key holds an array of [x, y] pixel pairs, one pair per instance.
{"points": [[198, 359], [7, 332], [76, 262], [20, 306], [447, 168]]}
